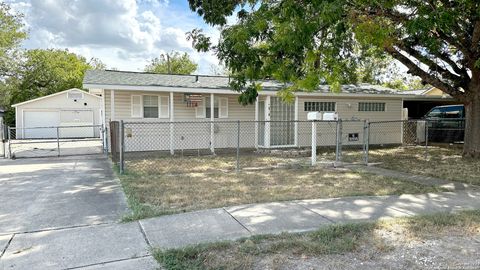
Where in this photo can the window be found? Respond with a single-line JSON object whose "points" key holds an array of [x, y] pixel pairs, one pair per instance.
{"points": [[317, 106], [220, 108], [371, 106], [209, 109], [150, 106]]}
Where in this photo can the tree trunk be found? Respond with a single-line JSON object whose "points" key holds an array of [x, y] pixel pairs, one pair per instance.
{"points": [[472, 122]]}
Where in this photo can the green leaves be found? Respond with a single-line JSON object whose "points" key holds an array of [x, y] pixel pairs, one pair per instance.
{"points": [[172, 63], [12, 33], [308, 43]]}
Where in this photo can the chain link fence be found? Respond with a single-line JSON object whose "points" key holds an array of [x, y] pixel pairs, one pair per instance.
{"points": [[193, 147], [417, 135], [203, 146], [55, 141]]}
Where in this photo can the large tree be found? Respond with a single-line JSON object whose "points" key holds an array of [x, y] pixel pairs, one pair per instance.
{"points": [[12, 33], [311, 42], [172, 63], [41, 73]]}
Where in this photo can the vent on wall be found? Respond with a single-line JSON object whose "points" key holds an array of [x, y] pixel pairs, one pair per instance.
{"points": [[75, 95]]}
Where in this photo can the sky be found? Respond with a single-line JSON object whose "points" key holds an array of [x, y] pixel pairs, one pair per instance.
{"points": [[123, 34]]}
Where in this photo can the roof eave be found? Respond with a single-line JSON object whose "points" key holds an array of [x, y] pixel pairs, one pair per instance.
{"points": [[179, 89]]}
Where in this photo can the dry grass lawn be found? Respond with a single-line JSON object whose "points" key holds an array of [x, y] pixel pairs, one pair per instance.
{"points": [[441, 162], [196, 185], [434, 241]]}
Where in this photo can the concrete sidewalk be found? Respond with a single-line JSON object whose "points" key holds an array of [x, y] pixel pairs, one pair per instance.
{"points": [[128, 245], [305, 215]]}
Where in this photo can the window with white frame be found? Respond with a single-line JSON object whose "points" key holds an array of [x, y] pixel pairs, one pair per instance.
{"points": [[319, 106], [371, 106], [150, 106]]}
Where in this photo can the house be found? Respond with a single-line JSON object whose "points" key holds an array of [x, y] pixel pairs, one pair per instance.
{"points": [[160, 99], [38, 118]]}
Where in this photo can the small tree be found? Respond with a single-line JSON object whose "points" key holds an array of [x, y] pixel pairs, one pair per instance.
{"points": [[172, 63], [309, 42]]}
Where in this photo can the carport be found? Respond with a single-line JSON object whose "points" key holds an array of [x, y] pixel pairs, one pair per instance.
{"points": [[419, 102]]}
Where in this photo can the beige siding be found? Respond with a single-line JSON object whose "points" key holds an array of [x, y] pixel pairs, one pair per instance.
{"points": [[347, 109], [181, 111], [61, 102], [156, 135]]}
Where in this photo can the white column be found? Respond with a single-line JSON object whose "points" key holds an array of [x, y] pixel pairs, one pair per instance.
{"points": [[256, 123], [112, 105], [296, 121], [172, 118], [212, 125], [267, 123], [314, 142]]}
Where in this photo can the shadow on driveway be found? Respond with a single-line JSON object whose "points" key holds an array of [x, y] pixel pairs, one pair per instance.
{"points": [[47, 193]]}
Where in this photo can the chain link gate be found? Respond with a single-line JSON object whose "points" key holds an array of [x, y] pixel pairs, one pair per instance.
{"points": [[55, 141]]}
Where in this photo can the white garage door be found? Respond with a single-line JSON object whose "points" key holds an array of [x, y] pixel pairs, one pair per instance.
{"points": [[34, 119], [71, 119]]}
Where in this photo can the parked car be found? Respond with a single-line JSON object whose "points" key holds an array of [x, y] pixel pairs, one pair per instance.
{"points": [[446, 123]]}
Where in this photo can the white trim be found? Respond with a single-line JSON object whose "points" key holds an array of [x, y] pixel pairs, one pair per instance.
{"points": [[256, 122], [295, 118], [266, 141], [112, 105], [172, 131], [212, 120], [140, 104], [224, 99], [55, 94], [262, 93]]}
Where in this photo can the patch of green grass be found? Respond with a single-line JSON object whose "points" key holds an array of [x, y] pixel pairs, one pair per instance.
{"points": [[333, 239]]}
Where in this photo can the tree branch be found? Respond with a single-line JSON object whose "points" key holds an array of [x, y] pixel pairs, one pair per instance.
{"points": [[428, 78], [456, 79]]}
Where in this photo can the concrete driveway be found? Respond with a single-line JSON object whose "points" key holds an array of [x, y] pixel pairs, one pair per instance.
{"points": [[64, 213], [50, 193]]}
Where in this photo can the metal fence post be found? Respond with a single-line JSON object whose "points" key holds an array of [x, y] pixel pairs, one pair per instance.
{"points": [[338, 149], [238, 145], [9, 136], [122, 147], [314, 142], [58, 140], [426, 139], [366, 140]]}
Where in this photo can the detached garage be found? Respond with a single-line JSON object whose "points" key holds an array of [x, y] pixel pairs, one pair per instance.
{"points": [[39, 118]]}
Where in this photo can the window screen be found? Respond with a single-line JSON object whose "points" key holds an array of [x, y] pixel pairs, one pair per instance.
{"points": [[371, 106], [317, 106], [150, 106]]}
